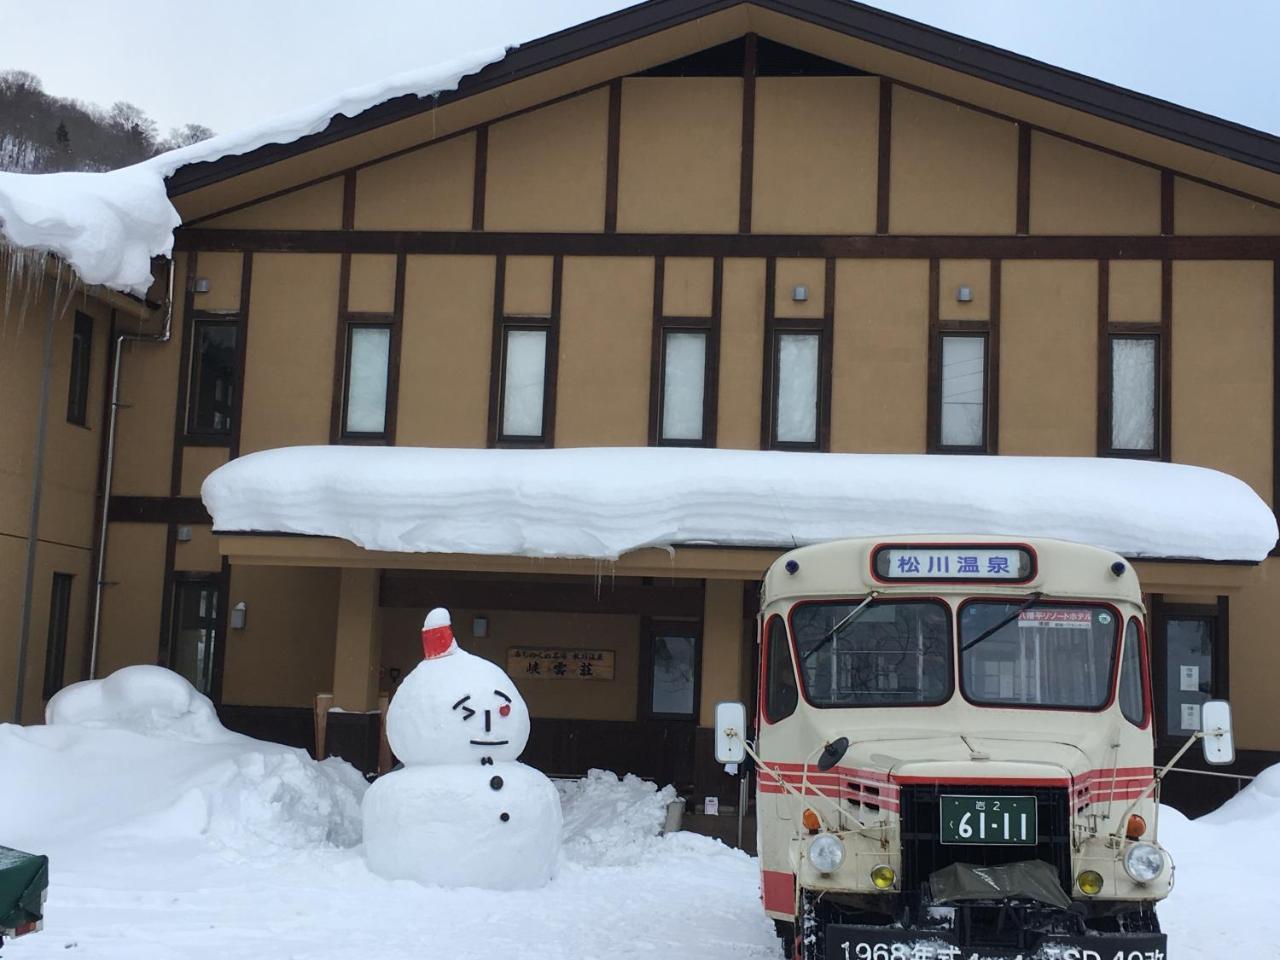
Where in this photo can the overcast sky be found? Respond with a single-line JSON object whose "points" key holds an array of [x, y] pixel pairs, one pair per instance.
{"points": [[230, 63]]}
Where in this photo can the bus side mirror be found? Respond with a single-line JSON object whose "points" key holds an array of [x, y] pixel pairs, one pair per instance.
{"points": [[731, 732], [1215, 723]]}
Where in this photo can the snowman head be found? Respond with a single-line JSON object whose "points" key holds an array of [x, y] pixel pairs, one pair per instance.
{"points": [[455, 707]]}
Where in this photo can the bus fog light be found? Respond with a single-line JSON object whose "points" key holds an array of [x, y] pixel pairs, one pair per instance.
{"points": [[883, 876], [1089, 882], [1143, 862], [826, 853]]}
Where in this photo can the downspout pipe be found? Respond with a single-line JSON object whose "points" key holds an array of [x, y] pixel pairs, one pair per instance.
{"points": [[105, 493]]}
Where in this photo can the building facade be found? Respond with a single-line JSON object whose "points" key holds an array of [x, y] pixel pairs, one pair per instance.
{"points": [[804, 226]]}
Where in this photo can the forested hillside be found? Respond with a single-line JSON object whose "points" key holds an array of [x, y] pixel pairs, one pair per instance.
{"points": [[40, 133]]}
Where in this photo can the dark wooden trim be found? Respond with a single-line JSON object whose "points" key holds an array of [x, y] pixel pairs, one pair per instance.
{"points": [[1222, 655], [189, 511], [1275, 390], [1166, 361], [349, 200], [767, 377], [657, 352], [496, 350], [1024, 180], [1166, 203], [220, 632], [612, 159], [711, 385], [1149, 247], [931, 45], [393, 361], [164, 643], [826, 354], [242, 354], [884, 155], [621, 595], [184, 375], [337, 396], [933, 412], [1103, 439], [991, 404], [747, 168], [480, 177], [553, 353]]}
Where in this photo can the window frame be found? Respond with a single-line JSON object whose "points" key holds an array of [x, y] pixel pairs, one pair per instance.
{"points": [[664, 326], [508, 326], [351, 323], [652, 628], [193, 434], [1144, 671], [937, 378], [81, 367], [55, 654], [1220, 687], [766, 672], [1106, 390], [209, 581], [777, 329], [990, 330]]}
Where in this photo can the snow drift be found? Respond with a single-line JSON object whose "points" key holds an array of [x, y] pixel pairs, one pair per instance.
{"points": [[611, 820], [108, 226], [142, 753], [603, 502]]}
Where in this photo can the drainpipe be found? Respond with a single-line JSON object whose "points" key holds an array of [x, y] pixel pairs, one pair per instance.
{"points": [[105, 492], [37, 474]]}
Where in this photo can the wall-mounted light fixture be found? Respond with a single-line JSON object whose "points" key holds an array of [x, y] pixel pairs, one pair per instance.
{"points": [[184, 534], [964, 294], [480, 627], [800, 293], [200, 285], [239, 615]]}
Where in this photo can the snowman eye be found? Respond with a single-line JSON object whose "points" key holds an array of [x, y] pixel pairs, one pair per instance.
{"points": [[467, 712], [504, 710]]}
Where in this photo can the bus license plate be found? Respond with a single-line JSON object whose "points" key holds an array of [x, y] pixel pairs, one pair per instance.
{"points": [[987, 820]]}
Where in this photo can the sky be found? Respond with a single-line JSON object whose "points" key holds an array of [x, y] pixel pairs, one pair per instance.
{"points": [[232, 63]]}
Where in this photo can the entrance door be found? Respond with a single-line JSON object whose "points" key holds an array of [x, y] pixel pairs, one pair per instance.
{"points": [[194, 635], [670, 687]]}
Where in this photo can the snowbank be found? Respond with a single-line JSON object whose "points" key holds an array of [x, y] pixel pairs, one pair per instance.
{"points": [[610, 820], [108, 226], [603, 502], [142, 753]]}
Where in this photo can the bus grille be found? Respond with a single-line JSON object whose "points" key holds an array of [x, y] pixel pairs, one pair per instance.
{"points": [[922, 853]]}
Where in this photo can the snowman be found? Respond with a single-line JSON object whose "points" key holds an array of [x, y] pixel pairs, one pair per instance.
{"points": [[461, 812]]}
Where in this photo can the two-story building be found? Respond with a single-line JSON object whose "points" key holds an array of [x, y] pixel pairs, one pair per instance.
{"points": [[742, 224]]}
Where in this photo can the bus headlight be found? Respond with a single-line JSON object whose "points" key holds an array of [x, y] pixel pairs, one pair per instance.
{"points": [[1143, 862], [826, 853]]}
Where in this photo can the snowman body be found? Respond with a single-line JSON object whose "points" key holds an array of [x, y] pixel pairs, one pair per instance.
{"points": [[462, 811]]}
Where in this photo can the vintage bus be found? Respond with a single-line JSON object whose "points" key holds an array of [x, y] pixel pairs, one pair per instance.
{"points": [[954, 752]]}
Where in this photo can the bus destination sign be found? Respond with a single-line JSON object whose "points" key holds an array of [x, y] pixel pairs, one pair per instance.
{"points": [[954, 562]]}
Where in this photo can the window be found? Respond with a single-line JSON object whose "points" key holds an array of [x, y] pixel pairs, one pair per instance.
{"points": [[781, 695], [1134, 395], [797, 389], [194, 634], [1132, 702], [211, 407], [685, 378], [1189, 672], [672, 671], [889, 653], [1048, 655], [371, 349], [524, 374], [55, 656], [78, 382], [963, 397]]}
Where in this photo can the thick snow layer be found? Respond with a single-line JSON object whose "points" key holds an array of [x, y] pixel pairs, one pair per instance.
{"points": [[108, 226], [610, 821], [140, 753], [603, 502]]}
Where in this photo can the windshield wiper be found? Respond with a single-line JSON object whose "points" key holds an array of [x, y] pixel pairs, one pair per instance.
{"points": [[852, 616], [1030, 602]]}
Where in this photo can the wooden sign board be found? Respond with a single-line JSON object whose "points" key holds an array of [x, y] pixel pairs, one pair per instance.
{"points": [[559, 663]]}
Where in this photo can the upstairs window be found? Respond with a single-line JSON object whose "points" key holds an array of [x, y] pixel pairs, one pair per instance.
{"points": [[78, 381], [55, 656], [525, 397], [1134, 395], [210, 409], [796, 396], [684, 377], [371, 349], [963, 393]]}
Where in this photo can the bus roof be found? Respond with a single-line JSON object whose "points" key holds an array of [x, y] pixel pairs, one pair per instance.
{"points": [[977, 564]]}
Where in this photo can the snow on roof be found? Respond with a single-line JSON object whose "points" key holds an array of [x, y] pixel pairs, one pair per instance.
{"points": [[109, 226], [603, 502]]}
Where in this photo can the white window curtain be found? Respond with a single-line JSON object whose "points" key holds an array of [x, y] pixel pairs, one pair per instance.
{"points": [[683, 385], [367, 389], [1133, 393], [524, 383], [963, 391], [797, 413]]}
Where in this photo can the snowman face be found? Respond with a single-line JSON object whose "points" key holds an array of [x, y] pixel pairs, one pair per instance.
{"points": [[457, 709]]}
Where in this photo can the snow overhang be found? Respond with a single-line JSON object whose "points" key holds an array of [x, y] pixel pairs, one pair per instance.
{"points": [[602, 503]]}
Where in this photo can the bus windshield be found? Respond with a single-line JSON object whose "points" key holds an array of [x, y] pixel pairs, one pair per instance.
{"points": [[1047, 655], [890, 653]]}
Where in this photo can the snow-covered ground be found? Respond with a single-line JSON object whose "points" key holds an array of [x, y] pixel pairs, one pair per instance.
{"points": [[170, 837]]}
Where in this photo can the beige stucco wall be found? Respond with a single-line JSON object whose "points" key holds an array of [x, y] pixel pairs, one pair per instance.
{"points": [[687, 284], [1222, 371], [1134, 291], [1199, 209], [880, 363], [427, 189], [317, 207], [1076, 190], [132, 603], [974, 274], [815, 156], [606, 324], [528, 284], [951, 170], [741, 349], [372, 287], [1255, 661], [680, 155], [545, 169], [1049, 357]]}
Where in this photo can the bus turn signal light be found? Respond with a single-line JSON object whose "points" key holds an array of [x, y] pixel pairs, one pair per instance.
{"points": [[1135, 828], [883, 876], [811, 821], [1089, 882]]}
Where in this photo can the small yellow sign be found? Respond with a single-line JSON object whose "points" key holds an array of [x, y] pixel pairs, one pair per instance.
{"points": [[559, 663]]}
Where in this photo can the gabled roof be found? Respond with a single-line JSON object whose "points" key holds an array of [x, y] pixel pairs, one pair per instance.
{"points": [[969, 57]]}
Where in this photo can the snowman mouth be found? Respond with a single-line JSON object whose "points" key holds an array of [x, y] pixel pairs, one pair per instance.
{"points": [[490, 743]]}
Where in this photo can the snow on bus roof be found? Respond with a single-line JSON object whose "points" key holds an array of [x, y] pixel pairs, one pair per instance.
{"points": [[603, 502], [108, 226]]}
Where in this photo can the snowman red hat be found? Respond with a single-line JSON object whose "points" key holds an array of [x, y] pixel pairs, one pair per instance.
{"points": [[437, 635]]}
